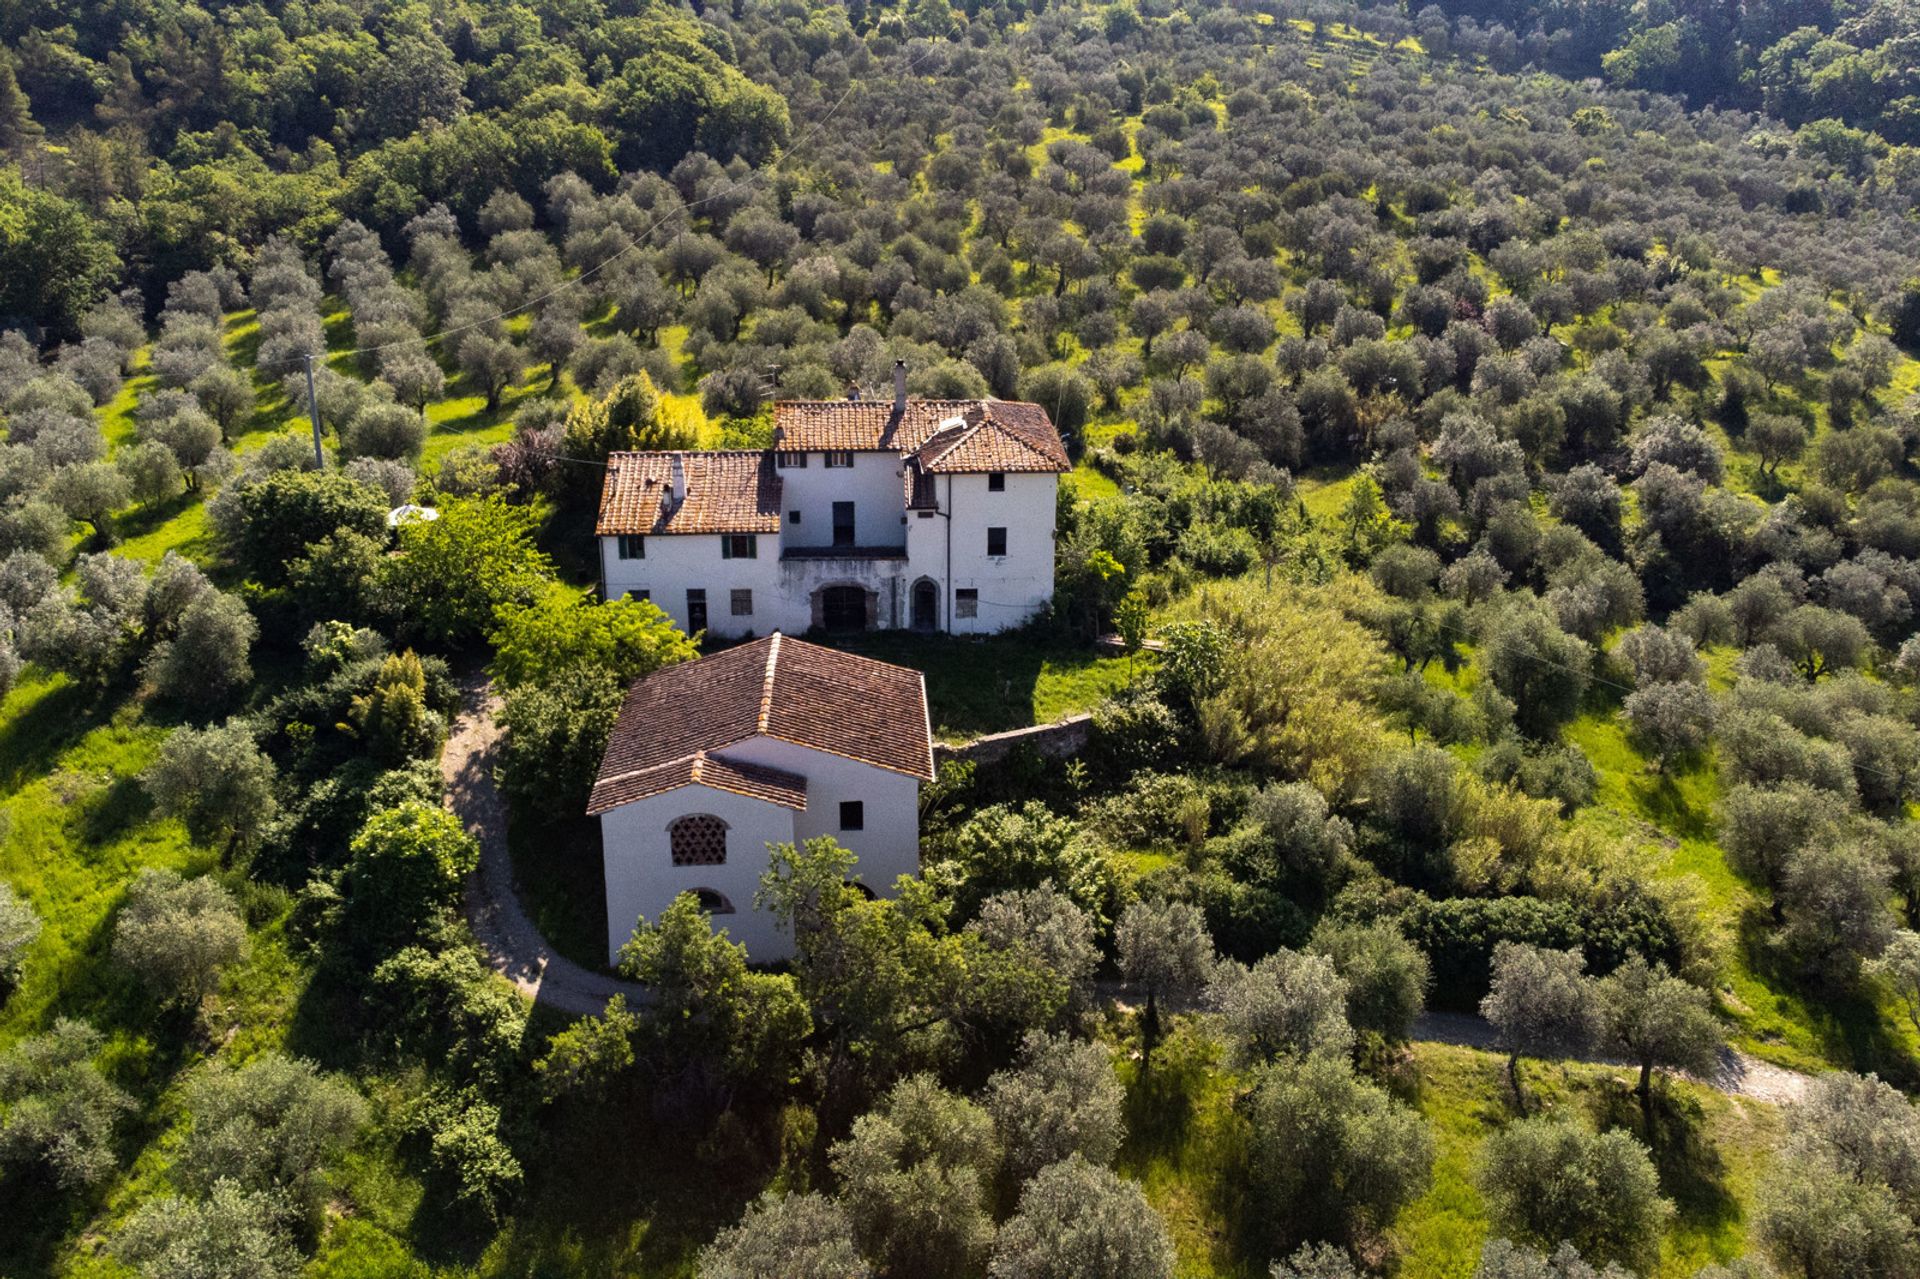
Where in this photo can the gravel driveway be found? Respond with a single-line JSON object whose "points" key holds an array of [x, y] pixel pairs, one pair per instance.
{"points": [[513, 946]]}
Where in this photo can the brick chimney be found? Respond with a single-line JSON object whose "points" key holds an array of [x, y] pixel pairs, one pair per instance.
{"points": [[899, 386]]}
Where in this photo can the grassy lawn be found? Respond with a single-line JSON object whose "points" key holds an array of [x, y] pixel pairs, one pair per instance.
{"points": [[1185, 1141], [994, 683]]}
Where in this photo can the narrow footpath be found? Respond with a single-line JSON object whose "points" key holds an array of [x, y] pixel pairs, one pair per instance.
{"points": [[513, 946]]}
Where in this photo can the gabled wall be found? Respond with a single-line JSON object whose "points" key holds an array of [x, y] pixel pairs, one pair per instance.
{"points": [[641, 878]]}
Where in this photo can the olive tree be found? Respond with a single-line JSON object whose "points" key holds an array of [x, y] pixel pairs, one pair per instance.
{"points": [[1048, 925], [1386, 975], [272, 1125], [1542, 1003], [1164, 946], [1332, 1156], [914, 1175], [233, 1233], [1547, 1182], [1670, 720], [206, 657], [1289, 1004], [1061, 1099], [216, 780], [1898, 966], [1842, 1194], [57, 1111], [795, 1236], [19, 928], [1504, 1259], [1834, 899], [1078, 1220], [176, 934], [1658, 1020]]}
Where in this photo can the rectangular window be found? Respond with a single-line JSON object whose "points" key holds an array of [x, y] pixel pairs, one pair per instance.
{"points": [[793, 517], [643, 596], [739, 546], [840, 458], [853, 815], [996, 482], [743, 603], [843, 523], [996, 541], [632, 546], [966, 602], [696, 611], [790, 461]]}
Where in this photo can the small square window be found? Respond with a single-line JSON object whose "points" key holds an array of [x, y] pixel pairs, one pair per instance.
{"points": [[996, 541], [632, 546], [966, 602], [996, 482], [787, 460], [739, 546], [793, 517], [853, 815], [742, 603], [643, 596]]}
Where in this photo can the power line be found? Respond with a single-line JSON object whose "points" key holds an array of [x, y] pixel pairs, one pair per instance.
{"points": [[632, 244]]}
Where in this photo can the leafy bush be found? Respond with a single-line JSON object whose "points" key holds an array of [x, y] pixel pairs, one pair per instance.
{"points": [[57, 1112], [177, 934]]}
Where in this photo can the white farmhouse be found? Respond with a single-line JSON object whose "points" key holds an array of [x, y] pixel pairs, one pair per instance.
{"points": [[865, 515], [775, 741]]}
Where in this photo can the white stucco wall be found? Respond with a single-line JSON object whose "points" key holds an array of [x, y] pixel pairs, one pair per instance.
{"points": [[642, 880], [873, 484], [889, 846], [674, 564], [1012, 587]]}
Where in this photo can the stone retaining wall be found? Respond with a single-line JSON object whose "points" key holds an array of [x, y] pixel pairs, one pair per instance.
{"points": [[1057, 740]]}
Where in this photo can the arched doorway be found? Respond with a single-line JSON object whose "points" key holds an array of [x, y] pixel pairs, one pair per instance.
{"points": [[843, 608], [926, 605]]}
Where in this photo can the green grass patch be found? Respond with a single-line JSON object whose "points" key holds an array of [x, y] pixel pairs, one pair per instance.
{"points": [[998, 682]]}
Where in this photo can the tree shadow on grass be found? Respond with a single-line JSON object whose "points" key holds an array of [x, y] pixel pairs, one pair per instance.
{"points": [[974, 686], [1846, 1022], [1692, 1173], [33, 739], [1660, 797], [611, 1189], [144, 520]]}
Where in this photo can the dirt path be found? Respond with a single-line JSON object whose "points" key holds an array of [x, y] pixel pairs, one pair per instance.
{"points": [[513, 946], [1739, 1075]]}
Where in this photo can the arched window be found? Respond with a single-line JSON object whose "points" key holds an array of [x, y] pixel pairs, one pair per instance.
{"points": [[698, 839], [713, 903]]}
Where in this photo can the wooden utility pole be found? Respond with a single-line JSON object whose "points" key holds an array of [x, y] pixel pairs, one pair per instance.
{"points": [[313, 413]]}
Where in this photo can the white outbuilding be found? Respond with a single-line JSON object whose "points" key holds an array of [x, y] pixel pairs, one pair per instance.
{"points": [[776, 741]]}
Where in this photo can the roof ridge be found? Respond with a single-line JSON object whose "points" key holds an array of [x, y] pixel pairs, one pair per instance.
{"points": [[766, 688]]}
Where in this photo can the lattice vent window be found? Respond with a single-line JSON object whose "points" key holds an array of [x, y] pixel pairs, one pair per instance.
{"points": [[698, 840]]}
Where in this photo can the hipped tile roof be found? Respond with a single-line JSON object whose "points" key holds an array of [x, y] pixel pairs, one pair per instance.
{"points": [[978, 435], [806, 694], [728, 491]]}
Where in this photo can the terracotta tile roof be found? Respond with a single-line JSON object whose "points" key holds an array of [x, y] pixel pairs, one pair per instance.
{"points": [[992, 435], [806, 694], [728, 491], [789, 790]]}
